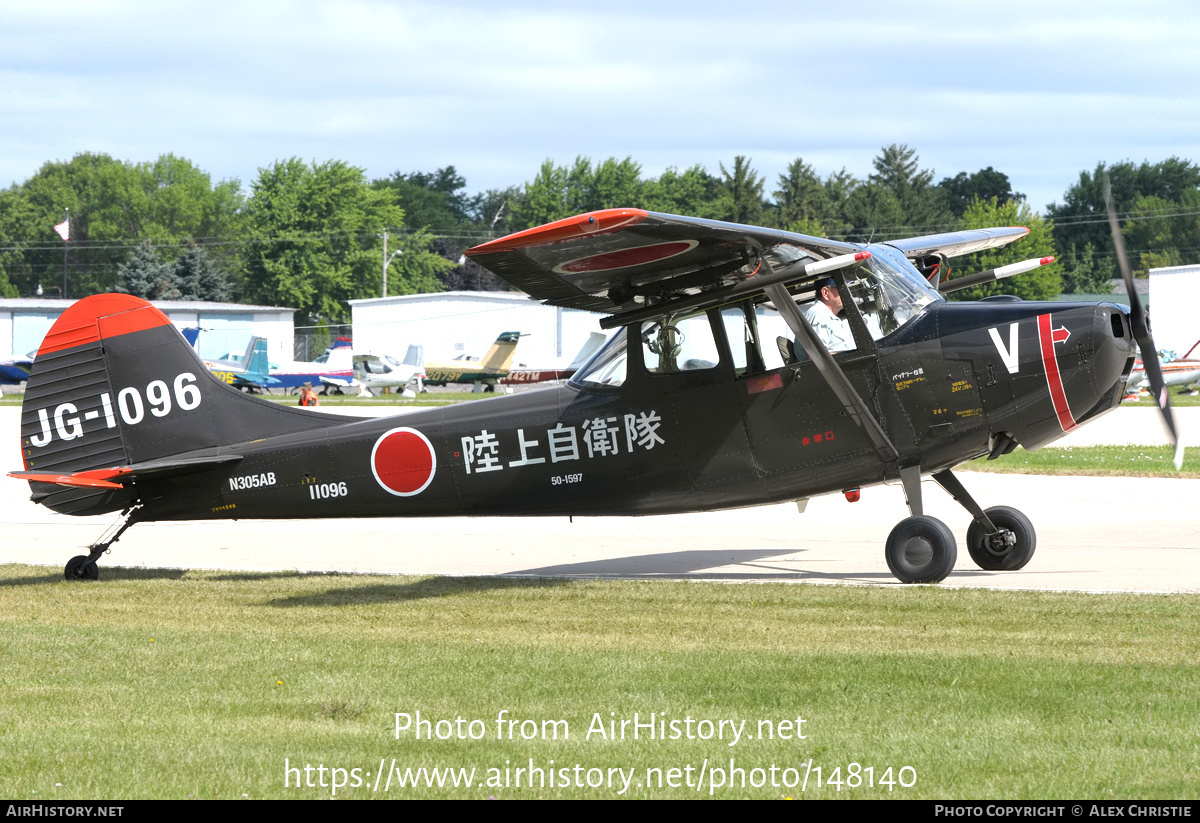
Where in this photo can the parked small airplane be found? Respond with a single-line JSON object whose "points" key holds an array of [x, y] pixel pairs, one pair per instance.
{"points": [[14, 370], [1177, 371], [522, 375], [466, 368], [252, 374], [254, 371], [382, 371], [683, 409]]}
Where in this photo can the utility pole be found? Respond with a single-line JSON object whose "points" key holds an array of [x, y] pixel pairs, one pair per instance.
{"points": [[385, 263], [64, 231], [387, 260]]}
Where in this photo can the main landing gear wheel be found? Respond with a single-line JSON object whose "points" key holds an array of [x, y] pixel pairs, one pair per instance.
{"points": [[80, 567], [1009, 550], [921, 549]]}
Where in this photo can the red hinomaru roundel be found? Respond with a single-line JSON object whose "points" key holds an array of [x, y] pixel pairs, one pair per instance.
{"points": [[403, 462], [623, 258]]}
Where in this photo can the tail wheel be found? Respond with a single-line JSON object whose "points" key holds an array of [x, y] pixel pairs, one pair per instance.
{"points": [[1009, 550], [80, 568], [921, 549]]}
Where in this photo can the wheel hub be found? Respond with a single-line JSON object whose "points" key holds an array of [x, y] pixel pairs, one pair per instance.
{"points": [[1001, 542], [918, 551]]}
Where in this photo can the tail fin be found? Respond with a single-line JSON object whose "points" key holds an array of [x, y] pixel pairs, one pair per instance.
{"points": [[500, 355], [115, 387], [415, 356], [256, 363]]}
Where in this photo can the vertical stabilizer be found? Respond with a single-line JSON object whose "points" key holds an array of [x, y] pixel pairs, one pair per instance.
{"points": [[115, 385]]}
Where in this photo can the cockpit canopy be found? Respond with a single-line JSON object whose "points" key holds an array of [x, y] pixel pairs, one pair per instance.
{"points": [[886, 291]]}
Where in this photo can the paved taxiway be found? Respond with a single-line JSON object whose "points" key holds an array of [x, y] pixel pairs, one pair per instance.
{"points": [[1094, 533]]}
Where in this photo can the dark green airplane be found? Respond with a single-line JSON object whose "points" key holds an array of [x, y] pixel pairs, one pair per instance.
{"points": [[724, 385]]}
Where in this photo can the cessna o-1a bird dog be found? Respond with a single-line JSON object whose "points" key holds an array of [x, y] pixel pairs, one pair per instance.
{"points": [[685, 408]]}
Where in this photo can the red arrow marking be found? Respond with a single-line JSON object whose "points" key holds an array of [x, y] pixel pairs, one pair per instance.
{"points": [[1058, 395]]}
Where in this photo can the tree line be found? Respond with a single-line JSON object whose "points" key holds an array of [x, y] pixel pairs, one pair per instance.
{"points": [[311, 235]]}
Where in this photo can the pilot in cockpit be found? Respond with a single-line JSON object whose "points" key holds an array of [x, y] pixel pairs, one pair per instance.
{"points": [[824, 315]]}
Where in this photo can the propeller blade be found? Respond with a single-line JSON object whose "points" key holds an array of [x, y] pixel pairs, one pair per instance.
{"points": [[1141, 330]]}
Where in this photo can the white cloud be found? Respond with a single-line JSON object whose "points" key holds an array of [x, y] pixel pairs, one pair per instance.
{"points": [[1039, 91]]}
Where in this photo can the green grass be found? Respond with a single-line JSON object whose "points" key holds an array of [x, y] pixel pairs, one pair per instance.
{"points": [[1177, 399], [1122, 461], [179, 684]]}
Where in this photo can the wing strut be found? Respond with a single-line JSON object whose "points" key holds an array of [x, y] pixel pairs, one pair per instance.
{"points": [[854, 405]]}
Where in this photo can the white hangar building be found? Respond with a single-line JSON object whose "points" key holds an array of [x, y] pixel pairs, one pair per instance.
{"points": [[1174, 294], [449, 324], [227, 326]]}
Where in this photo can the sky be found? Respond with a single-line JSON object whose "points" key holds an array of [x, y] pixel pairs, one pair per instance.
{"points": [[1038, 90]]}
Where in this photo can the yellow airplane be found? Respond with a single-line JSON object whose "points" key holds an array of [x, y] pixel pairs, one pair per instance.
{"points": [[470, 369]]}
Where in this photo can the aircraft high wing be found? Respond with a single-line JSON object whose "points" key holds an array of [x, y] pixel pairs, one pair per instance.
{"points": [[688, 406]]}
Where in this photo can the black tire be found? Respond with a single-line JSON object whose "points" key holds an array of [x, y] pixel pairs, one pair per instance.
{"points": [[921, 549], [994, 556], [79, 568]]}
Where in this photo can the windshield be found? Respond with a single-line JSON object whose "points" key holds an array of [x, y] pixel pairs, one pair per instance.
{"points": [[888, 290], [606, 368]]}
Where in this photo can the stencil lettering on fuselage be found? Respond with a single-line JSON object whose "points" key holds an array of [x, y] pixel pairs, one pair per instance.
{"points": [[160, 400], [1008, 356]]}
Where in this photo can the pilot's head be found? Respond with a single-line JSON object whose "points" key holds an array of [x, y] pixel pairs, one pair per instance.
{"points": [[827, 293]]}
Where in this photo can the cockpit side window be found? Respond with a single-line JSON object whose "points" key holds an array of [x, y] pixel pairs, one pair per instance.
{"points": [[679, 344], [742, 333]]}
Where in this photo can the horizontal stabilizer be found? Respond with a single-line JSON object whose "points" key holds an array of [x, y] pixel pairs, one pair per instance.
{"points": [[119, 476]]}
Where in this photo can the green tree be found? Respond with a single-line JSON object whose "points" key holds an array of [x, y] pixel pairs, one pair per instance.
{"points": [[146, 275], [873, 212], [418, 269], [1162, 232], [198, 277], [315, 237], [984, 184], [1043, 283], [1082, 216], [435, 201], [113, 207], [801, 200], [544, 199], [616, 184], [740, 193], [691, 193], [1084, 272], [924, 206], [838, 187], [494, 211], [16, 213]]}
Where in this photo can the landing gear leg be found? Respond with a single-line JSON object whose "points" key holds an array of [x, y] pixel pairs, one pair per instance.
{"points": [[920, 549], [1000, 538], [83, 567]]}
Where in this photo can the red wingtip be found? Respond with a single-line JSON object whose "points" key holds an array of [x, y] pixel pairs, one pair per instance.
{"points": [[595, 222]]}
